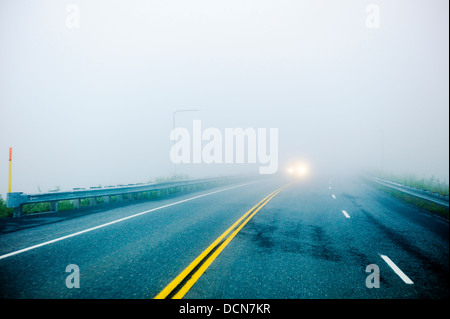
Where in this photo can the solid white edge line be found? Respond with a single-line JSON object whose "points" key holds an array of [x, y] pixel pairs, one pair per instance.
{"points": [[397, 270], [114, 222], [345, 214]]}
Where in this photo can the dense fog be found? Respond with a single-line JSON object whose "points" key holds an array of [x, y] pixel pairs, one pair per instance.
{"points": [[91, 90]]}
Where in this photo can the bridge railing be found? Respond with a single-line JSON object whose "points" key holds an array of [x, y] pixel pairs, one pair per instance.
{"points": [[16, 200]]}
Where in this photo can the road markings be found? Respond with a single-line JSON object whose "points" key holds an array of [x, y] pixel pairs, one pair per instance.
{"points": [[345, 214], [397, 270], [116, 221], [334, 196], [189, 276]]}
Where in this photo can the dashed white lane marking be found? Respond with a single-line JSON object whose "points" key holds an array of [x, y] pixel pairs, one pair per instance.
{"points": [[333, 196], [345, 214], [397, 270]]}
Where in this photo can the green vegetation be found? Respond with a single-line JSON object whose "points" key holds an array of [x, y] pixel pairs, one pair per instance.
{"points": [[36, 208], [4, 211], [432, 184], [421, 203], [86, 202]]}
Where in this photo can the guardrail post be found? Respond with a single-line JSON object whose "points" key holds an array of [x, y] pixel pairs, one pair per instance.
{"points": [[16, 200], [53, 207], [18, 211]]}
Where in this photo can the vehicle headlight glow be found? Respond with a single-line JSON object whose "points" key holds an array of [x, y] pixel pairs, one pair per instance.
{"points": [[302, 169], [298, 169]]}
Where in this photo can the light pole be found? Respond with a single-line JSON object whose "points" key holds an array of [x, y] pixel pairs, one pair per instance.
{"points": [[173, 127]]}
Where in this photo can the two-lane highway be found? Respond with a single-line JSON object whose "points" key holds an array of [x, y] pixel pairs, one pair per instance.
{"points": [[266, 239], [315, 241]]}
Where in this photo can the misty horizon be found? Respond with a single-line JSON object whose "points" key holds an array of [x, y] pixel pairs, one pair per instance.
{"points": [[87, 96]]}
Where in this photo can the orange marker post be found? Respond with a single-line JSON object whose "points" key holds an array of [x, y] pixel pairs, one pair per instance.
{"points": [[9, 179]]}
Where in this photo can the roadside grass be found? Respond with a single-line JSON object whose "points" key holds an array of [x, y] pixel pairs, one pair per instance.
{"points": [[4, 211], [431, 184], [86, 202]]}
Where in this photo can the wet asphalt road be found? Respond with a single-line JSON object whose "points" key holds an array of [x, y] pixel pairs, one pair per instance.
{"points": [[312, 240]]}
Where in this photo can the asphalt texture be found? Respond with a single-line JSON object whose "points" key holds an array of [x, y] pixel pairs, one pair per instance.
{"points": [[300, 245]]}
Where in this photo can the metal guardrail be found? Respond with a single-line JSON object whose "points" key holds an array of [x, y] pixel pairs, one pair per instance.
{"points": [[420, 193], [16, 200]]}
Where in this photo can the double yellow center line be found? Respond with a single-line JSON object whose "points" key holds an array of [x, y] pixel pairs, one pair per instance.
{"points": [[178, 287]]}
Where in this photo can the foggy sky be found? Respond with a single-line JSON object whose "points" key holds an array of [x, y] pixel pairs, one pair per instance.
{"points": [[93, 105]]}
